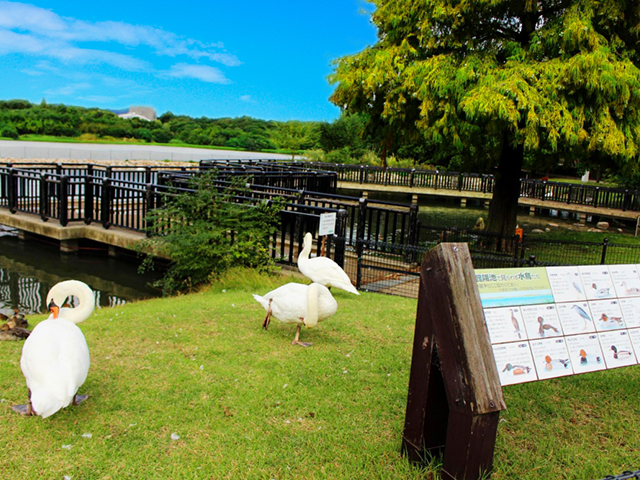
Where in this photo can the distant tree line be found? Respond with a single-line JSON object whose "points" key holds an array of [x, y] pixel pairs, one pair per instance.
{"points": [[344, 140]]}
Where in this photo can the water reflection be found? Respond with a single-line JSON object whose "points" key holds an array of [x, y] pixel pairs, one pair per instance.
{"points": [[28, 269]]}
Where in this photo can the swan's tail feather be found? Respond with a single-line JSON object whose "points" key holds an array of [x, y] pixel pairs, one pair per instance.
{"points": [[348, 287], [262, 301], [45, 407]]}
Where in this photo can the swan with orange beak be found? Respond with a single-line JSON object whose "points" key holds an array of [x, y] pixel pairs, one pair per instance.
{"points": [[55, 358]]}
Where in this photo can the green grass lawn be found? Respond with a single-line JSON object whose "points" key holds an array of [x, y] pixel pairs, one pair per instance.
{"points": [[193, 387]]}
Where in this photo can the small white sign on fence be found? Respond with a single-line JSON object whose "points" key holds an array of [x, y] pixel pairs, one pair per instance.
{"points": [[327, 224]]}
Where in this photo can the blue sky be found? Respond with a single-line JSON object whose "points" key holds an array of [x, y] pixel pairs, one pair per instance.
{"points": [[210, 58]]}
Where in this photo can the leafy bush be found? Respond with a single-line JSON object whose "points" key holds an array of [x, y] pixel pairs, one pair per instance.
{"points": [[8, 131], [161, 135], [143, 134], [204, 234]]}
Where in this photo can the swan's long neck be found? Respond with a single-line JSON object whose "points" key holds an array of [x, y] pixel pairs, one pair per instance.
{"points": [[81, 291], [306, 248], [313, 292]]}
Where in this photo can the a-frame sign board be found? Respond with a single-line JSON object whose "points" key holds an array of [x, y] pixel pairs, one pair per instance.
{"points": [[455, 397]]}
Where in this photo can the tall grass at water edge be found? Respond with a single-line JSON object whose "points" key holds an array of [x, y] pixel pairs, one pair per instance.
{"points": [[193, 387]]}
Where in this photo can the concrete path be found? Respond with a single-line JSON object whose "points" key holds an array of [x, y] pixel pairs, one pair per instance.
{"points": [[95, 151]]}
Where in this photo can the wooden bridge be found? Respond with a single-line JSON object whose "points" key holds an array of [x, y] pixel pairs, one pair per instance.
{"points": [[413, 193]]}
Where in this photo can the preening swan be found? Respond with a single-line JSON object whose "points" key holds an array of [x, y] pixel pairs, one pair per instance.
{"points": [[300, 304], [323, 270], [55, 357]]}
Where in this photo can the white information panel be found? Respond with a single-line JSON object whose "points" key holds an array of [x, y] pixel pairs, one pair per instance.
{"points": [[327, 224], [548, 322]]}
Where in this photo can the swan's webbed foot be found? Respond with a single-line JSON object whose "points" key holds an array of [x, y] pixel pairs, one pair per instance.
{"points": [[78, 399], [24, 409], [296, 340]]}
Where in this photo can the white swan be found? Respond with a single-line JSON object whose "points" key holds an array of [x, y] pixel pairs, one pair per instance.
{"points": [[300, 304], [323, 270], [55, 357], [629, 290]]}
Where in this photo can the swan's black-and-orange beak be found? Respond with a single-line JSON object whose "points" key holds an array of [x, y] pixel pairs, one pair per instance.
{"points": [[54, 309]]}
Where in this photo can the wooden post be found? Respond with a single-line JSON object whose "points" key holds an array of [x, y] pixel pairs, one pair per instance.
{"points": [[455, 397]]}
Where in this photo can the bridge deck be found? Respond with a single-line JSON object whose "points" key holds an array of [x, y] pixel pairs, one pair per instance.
{"points": [[529, 202]]}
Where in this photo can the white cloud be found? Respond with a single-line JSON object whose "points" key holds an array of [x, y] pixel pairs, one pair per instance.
{"points": [[247, 99], [200, 72], [68, 89], [29, 29], [101, 99], [27, 17]]}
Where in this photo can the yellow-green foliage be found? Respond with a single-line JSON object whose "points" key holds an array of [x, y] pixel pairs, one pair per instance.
{"points": [[553, 76]]}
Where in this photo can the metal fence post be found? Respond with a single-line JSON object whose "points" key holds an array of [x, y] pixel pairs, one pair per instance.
{"points": [[362, 218], [149, 205], [412, 235], [360, 228], [63, 201], [88, 195], [340, 237], [625, 202], [605, 243], [412, 177], [44, 198], [105, 202], [517, 242], [12, 191]]}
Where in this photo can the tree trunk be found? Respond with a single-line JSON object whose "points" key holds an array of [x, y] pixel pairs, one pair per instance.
{"points": [[503, 210], [387, 142]]}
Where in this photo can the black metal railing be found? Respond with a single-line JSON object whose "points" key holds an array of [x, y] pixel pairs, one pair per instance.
{"points": [[392, 268], [367, 230], [569, 193]]}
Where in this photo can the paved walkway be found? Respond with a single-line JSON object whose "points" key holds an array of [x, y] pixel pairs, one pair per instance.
{"points": [[10, 149]]}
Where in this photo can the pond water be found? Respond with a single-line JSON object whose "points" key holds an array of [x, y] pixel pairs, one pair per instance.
{"points": [[29, 268]]}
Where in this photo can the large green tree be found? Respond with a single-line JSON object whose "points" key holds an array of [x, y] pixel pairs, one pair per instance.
{"points": [[500, 84]]}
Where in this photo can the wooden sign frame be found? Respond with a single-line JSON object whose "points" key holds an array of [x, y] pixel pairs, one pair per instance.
{"points": [[455, 397]]}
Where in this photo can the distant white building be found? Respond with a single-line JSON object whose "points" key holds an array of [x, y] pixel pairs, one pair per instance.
{"points": [[143, 113]]}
